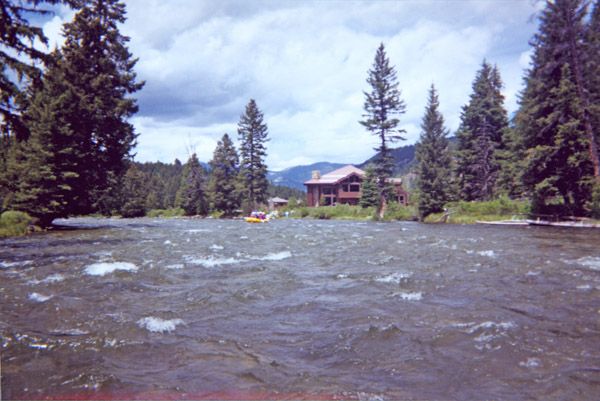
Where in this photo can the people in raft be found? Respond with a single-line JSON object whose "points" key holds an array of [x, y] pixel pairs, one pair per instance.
{"points": [[258, 215]]}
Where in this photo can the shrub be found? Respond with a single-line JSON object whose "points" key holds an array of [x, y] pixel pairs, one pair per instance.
{"points": [[14, 224], [396, 211], [171, 212]]}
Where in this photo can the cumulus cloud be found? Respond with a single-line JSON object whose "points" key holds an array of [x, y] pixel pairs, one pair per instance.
{"points": [[305, 64]]}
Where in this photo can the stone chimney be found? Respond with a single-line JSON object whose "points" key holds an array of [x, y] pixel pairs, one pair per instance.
{"points": [[316, 175]]}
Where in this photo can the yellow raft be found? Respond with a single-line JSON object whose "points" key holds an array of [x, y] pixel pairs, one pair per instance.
{"points": [[256, 220]]}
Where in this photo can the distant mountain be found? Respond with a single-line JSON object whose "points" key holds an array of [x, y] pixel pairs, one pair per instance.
{"points": [[295, 177], [404, 158]]}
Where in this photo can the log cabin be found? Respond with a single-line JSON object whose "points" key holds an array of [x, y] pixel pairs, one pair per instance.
{"points": [[343, 186]]}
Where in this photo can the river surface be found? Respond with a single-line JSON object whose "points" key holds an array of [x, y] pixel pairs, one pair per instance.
{"points": [[222, 309]]}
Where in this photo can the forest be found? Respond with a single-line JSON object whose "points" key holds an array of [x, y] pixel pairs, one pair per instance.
{"points": [[67, 147]]}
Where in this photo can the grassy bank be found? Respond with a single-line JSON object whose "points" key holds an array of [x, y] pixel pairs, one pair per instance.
{"points": [[470, 212], [347, 212], [456, 212]]}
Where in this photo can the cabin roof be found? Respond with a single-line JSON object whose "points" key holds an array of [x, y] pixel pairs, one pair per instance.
{"points": [[337, 175]]}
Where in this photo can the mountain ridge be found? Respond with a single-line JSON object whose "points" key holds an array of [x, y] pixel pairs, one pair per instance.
{"points": [[294, 177]]}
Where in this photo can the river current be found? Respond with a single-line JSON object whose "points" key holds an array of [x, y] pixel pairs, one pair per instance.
{"points": [[222, 309]]}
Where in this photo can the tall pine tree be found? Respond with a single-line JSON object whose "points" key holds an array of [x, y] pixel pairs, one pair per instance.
{"points": [[99, 69], [191, 196], [224, 175], [253, 132], [47, 166], [382, 107], [555, 122], [484, 125], [434, 160], [369, 195], [17, 36]]}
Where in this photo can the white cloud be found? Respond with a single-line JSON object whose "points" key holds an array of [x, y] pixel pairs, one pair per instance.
{"points": [[305, 63]]}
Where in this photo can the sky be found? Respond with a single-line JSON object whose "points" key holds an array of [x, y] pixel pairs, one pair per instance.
{"points": [[305, 63]]}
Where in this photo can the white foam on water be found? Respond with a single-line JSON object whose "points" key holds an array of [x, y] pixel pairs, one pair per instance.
{"points": [[53, 278], [473, 327], [34, 296], [276, 256], [341, 276], [530, 363], [584, 287], [6, 265], [50, 279], [395, 278], [216, 247], [100, 269], [490, 253], [167, 242], [176, 266], [212, 262], [158, 325], [200, 230], [409, 296], [590, 261]]}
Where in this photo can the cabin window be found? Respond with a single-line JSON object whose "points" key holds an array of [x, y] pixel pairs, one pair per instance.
{"points": [[401, 198], [327, 190], [354, 188], [344, 187]]}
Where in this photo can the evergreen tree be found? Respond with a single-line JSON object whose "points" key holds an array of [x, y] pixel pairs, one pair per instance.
{"points": [[18, 63], [191, 196], [46, 166], [98, 69], [555, 119], [253, 133], [369, 194], [134, 192], [156, 193], [224, 175], [484, 126], [173, 182], [382, 107], [434, 160]]}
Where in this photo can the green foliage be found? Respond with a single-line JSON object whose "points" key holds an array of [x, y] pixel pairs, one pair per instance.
{"points": [[191, 196], [399, 212], [253, 132], [484, 125], [285, 192], [555, 123], [134, 193], [594, 204], [14, 224], [464, 212], [338, 212], [18, 60], [224, 175], [435, 181], [369, 195], [382, 107], [171, 212]]}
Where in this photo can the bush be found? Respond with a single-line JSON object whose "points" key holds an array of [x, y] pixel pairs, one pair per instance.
{"points": [[396, 211], [171, 212], [14, 224], [470, 212]]}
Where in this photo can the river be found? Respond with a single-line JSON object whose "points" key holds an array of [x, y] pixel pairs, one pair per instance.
{"points": [[222, 309]]}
